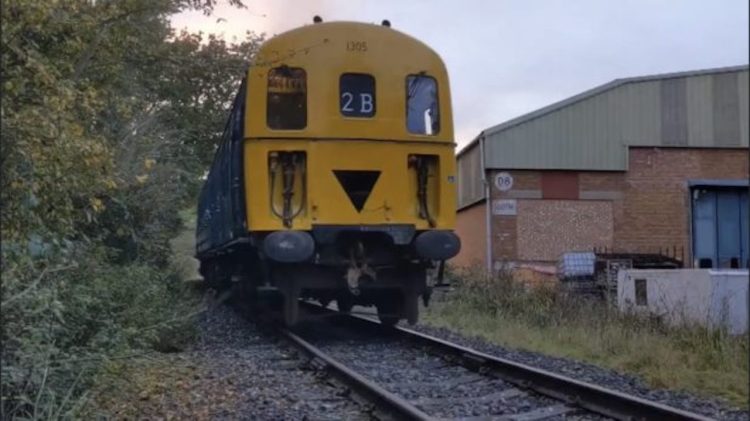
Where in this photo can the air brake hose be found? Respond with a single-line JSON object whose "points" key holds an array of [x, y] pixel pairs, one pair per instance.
{"points": [[422, 174], [288, 168]]}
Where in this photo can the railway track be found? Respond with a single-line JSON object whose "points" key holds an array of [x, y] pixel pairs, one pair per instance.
{"points": [[404, 374]]}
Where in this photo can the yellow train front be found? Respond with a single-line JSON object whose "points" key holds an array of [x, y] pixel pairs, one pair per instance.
{"points": [[336, 176]]}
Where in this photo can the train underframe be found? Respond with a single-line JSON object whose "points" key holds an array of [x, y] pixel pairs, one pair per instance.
{"points": [[346, 266]]}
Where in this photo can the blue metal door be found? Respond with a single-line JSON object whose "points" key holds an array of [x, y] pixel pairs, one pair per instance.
{"points": [[720, 228], [745, 233], [728, 226], [704, 228]]}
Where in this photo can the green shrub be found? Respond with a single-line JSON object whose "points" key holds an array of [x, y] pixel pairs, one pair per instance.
{"points": [[63, 318], [110, 119]]}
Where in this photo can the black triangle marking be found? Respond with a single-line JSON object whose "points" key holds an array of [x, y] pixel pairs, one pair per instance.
{"points": [[357, 185]]}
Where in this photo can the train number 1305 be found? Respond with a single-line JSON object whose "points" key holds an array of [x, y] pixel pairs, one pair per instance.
{"points": [[356, 46]]}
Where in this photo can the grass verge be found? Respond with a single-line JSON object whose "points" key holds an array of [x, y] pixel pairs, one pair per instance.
{"points": [[183, 248], [549, 321]]}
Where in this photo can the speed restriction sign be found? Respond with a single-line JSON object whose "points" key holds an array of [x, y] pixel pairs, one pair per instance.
{"points": [[503, 181]]}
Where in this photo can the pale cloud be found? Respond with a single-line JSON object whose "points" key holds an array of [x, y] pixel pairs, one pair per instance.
{"points": [[269, 17], [506, 58]]}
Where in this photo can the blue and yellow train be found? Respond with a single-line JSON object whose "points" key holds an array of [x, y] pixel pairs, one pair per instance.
{"points": [[335, 178]]}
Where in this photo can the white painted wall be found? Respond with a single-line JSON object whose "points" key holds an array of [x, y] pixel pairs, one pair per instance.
{"points": [[708, 297]]}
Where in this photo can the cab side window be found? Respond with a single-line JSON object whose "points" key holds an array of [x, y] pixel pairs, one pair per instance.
{"points": [[422, 112], [286, 104]]}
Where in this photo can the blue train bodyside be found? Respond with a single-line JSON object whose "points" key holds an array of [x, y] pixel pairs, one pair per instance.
{"points": [[221, 206]]}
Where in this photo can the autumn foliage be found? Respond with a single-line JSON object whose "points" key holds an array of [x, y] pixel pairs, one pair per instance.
{"points": [[109, 119]]}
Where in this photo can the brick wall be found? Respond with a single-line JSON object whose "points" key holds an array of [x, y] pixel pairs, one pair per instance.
{"points": [[505, 227], [548, 228], [504, 238], [589, 181], [470, 227], [560, 185], [655, 209], [648, 206]]}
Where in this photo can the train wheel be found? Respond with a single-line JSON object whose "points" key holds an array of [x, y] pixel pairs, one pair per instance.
{"points": [[243, 297], [389, 311], [291, 306], [269, 307], [215, 276], [344, 304], [411, 305]]}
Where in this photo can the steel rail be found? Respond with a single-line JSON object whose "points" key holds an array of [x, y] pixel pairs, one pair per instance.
{"points": [[589, 396], [385, 401], [598, 399]]}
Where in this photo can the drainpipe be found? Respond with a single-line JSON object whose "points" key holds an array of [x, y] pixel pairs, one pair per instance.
{"points": [[488, 203]]}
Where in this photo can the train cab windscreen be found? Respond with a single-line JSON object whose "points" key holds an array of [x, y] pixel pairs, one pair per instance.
{"points": [[422, 116], [287, 98]]}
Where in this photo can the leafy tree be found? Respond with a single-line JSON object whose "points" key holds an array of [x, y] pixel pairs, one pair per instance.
{"points": [[91, 86], [109, 119]]}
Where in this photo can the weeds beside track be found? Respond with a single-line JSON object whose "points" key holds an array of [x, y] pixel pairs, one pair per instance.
{"points": [[545, 319]]}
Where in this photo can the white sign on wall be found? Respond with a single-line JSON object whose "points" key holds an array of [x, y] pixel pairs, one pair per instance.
{"points": [[504, 207], [504, 181]]}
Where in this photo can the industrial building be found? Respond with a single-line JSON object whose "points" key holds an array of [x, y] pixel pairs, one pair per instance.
{"points": [[641, 165]]}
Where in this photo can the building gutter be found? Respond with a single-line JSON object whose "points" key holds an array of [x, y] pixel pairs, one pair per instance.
{"points": [[488, 203]]}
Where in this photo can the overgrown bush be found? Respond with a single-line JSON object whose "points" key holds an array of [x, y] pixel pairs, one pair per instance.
{"points": [[551, 305], [541, 305], [64, 317], [109, 119]]}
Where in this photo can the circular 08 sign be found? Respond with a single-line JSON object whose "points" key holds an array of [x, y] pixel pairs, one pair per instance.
{"points": [[504, 181]]}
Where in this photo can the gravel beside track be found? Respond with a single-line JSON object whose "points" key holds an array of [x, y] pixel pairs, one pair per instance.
{"points": [[235, 371], [593, 374], [437, 387], [270, 378]]}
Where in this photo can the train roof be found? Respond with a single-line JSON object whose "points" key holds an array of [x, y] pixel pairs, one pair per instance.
{"points": [[315, 38]]}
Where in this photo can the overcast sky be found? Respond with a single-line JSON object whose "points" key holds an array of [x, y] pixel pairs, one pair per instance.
{"points": [[506, 58]]}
